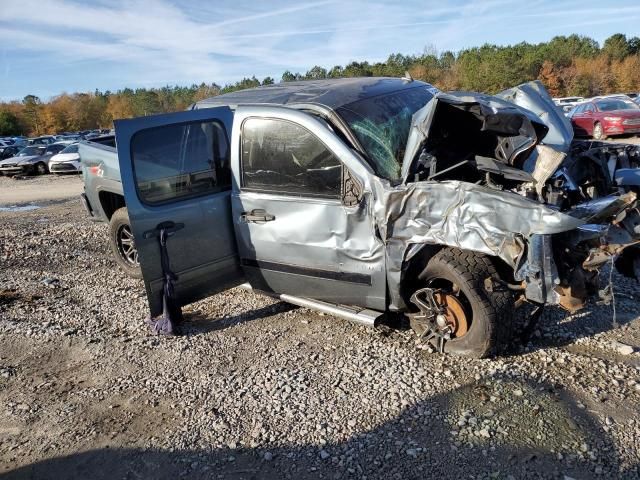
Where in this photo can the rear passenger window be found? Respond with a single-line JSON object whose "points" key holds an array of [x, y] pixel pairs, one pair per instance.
{"points": [[279, 156], [178, 161]]}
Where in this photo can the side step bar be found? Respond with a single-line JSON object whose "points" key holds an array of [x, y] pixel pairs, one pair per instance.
{"points": [[354, 314]]}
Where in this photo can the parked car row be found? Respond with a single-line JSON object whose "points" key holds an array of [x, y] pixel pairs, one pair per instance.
{"points": [[40, 159], [47, 153]]}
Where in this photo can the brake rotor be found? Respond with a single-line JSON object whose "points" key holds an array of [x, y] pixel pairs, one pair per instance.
{"points": [[453, 312]]}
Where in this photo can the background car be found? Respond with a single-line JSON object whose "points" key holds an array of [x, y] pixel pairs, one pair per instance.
{"points": [[31, 160], [44, 140], [604, 116], [67, 161], [9, 151], [69, 138], [567, 103]]}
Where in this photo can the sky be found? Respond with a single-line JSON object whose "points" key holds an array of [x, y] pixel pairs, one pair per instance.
{"points": [[52, 46]]}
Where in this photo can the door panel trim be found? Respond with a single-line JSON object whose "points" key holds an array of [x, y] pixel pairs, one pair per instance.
{"points": [[348, 277]]}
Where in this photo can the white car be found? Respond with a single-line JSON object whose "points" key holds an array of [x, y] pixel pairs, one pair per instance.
{"points": [[67, 161]]}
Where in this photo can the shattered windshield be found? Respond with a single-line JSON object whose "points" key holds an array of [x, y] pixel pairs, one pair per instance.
{"points": [[382, 125]]}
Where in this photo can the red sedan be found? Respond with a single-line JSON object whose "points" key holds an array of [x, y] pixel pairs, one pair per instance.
{"points": [[600, 118]]}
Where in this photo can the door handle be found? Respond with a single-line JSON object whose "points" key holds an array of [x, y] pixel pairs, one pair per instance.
{"points": [[257, 216], [169, 227]]}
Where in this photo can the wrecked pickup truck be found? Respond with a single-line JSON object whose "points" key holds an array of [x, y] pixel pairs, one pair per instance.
{"points": [[364, 197]]}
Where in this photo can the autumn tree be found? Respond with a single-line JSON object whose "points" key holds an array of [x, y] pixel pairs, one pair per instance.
{"points": [[32, 112], [627, 74], [119, 106], [550, 78]]}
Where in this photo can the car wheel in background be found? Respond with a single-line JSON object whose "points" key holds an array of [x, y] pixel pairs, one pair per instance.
{"points": [[598, 132], [41, 169], [122, 243]]}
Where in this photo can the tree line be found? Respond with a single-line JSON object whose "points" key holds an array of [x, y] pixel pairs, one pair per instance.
{"points": [[566, 65]]}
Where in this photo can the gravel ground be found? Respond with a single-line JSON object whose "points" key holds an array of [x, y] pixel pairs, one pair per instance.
{"points": [[260, 389]]}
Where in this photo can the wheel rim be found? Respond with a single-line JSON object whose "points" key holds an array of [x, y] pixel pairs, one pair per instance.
{"points": [[454, 313], [444, 313], [42, 169], [127, 246]]}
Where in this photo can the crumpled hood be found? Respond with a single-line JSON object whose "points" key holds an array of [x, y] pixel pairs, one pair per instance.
{"points": [[520, 118], [535, 98], [515, 129]]}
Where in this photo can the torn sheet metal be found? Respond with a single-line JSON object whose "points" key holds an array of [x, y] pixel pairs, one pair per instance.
{"points": [[462, 215], [603, 209], [535, 98], [496, 128], [539, 272], [628, 177], [546, 161]]}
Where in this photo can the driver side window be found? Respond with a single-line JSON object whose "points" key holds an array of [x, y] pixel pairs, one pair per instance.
{"points": [[283, 157]]}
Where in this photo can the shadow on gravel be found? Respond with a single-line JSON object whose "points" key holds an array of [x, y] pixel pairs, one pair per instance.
{"points": [[559, 328], [196, 323], [541, 421]]}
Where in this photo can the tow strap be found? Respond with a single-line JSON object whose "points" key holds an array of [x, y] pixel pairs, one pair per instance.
{"points": [[166, 324]]}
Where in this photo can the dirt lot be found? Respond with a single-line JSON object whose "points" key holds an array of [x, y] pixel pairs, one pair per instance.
{"points": [[37, 189], [260, 389]]}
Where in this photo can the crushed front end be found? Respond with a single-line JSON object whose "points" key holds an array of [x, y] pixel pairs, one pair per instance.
{"points": [[502, 175]]}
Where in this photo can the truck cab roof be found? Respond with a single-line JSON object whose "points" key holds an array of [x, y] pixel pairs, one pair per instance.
{"points": [[332, 93]]}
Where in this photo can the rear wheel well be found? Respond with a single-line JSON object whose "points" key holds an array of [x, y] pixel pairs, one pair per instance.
{"points": [[110, 202]]}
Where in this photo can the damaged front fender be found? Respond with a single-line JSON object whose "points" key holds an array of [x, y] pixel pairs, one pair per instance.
{"points": [[462, 215]]}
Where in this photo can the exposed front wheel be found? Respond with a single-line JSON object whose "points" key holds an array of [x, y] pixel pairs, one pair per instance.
{"points": [[123, 244], [456, 310]]}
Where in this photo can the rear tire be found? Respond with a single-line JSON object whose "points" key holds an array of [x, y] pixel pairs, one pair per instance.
{"points": [[122, 245], [490, 313]]}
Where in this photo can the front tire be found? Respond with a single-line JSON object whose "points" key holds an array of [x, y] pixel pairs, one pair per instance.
{"points": [[461, 276], [123, 245], [41, 169]]}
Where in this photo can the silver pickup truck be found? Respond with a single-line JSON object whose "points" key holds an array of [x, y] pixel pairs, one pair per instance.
{"points": [[372, 196]]}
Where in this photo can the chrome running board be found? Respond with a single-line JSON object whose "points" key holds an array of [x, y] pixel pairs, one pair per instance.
{"points": [[359, 315]]}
